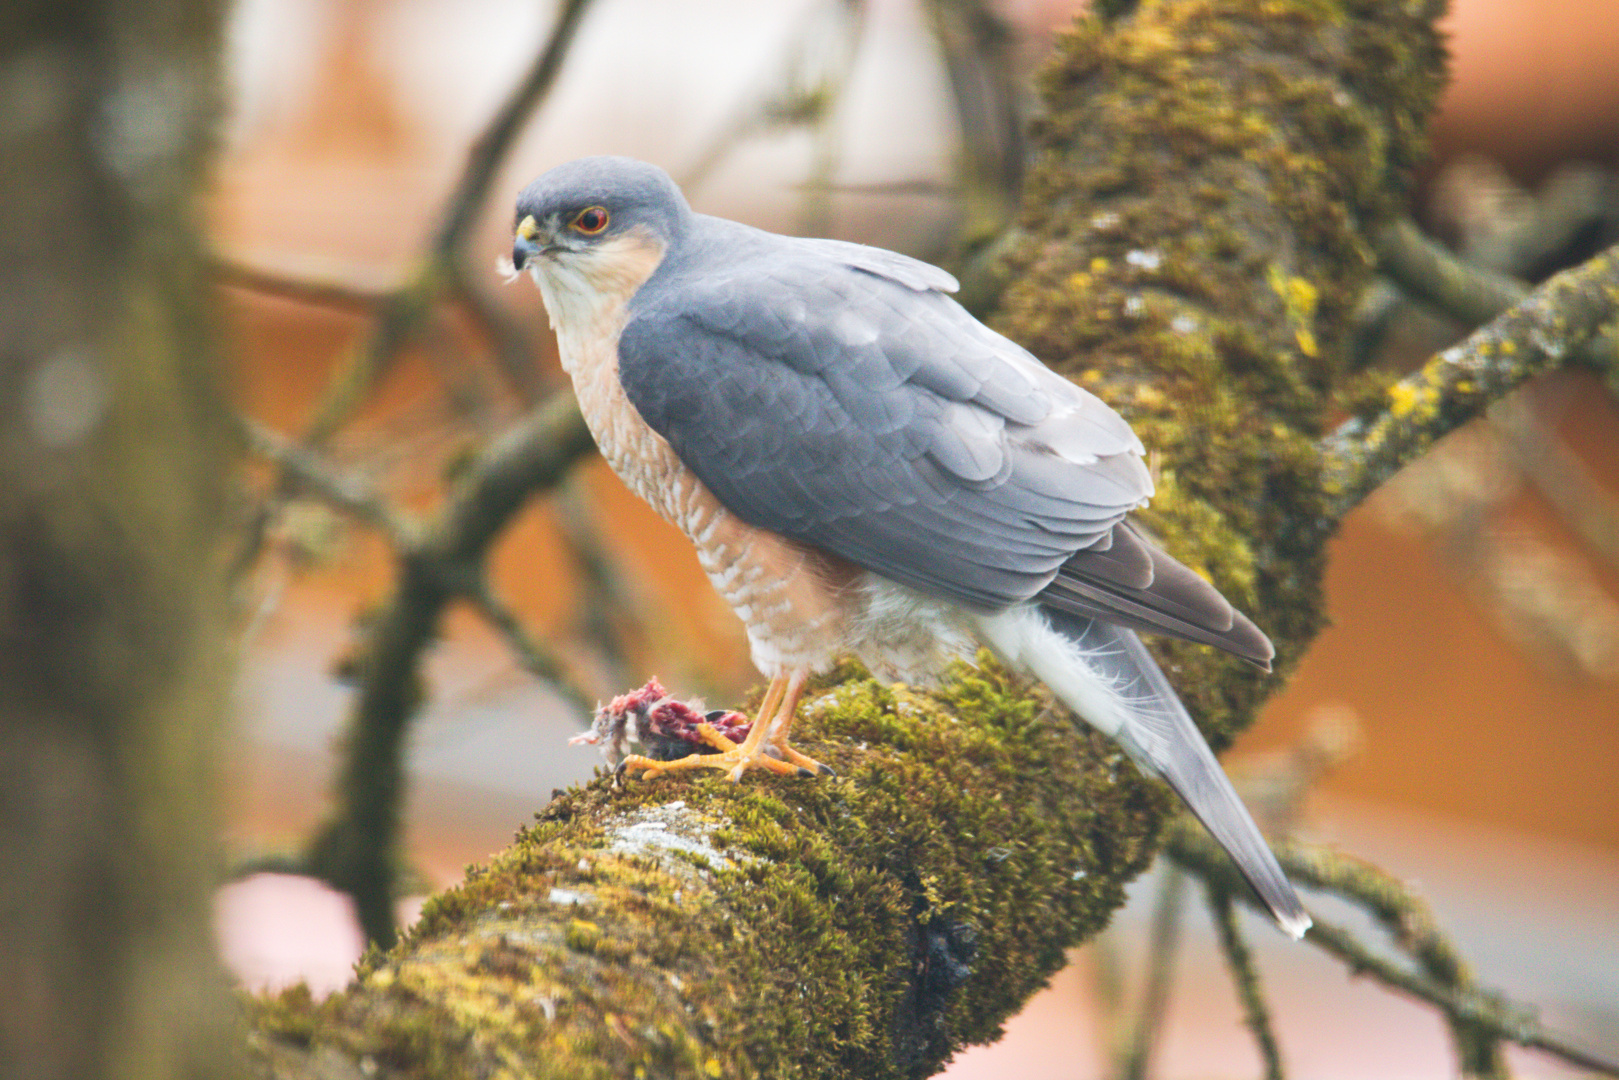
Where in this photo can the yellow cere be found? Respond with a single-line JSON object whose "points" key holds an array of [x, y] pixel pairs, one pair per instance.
{"points": [[528, 228]]}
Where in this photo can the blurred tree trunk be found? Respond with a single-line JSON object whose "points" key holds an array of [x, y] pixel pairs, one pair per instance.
{"points": [[111, 460]]}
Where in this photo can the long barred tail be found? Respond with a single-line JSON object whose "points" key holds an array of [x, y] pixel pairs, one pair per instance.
{"points": [[1106, 675]]}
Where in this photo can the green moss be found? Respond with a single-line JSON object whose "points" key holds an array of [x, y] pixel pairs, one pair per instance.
{"points": [[862, 926]]}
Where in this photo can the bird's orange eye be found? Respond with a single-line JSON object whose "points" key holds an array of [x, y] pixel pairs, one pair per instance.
{"points": [[591, 220]]}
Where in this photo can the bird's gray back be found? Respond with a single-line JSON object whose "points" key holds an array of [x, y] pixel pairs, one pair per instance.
{"points": [[831, 392]]}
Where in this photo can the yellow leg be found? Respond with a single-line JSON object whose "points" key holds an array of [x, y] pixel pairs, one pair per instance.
{"points": [[784, 723], [769, 729]]}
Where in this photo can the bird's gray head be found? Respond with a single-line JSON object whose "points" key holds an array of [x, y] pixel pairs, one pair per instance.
{"points": [[595, 203]]}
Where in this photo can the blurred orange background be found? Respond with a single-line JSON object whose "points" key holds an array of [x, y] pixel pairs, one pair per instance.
{"points": [[1486, 768]]}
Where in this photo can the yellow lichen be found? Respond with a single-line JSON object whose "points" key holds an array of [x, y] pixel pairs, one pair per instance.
{"points": [[1403, 398]]}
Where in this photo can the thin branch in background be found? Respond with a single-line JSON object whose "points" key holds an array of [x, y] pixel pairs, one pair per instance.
{"points": [[1245, 977], [515, 350], [402, 312], [356, 850], [1135, 1049], [1498, 223], [800, 89], [534, 657], [310, 471], [1545, 598], [1470, 293], [1455, 386], [1557, 473], [607, 597], [1411, 923], [1477, 1018], [313, 283], [1510, 1021], [1421, 266], [815, 203], [977, 45]]}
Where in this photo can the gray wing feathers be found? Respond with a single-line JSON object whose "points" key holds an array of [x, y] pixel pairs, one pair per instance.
{"points": [[912, 273], [1162, 738], [1136, 584], [846, 404]]}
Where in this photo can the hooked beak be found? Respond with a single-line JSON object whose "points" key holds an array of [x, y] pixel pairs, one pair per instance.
{"points": [[528, 243]]}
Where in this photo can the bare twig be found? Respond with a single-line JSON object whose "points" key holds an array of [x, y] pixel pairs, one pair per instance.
{"points": [[1584, 505], [355, 850], [1137, 1050], [1511, 1022], [1457, 385], [976, 44], [801, 89], [515, 351], [1483, 1015], [1410, 921], [538, 660], [608, 605], [309, 470], [306, 284], [1245, 977], [404, 310]]}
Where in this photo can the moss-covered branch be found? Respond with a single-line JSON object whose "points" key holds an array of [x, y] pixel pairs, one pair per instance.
{"points": [[865, 926], [1193, 248]]}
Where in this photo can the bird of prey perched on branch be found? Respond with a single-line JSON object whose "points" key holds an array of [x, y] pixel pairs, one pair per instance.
{"points": [[865, 468]]}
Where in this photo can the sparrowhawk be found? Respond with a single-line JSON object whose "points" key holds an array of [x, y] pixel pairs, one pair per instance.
{"points": [[865, 468]]}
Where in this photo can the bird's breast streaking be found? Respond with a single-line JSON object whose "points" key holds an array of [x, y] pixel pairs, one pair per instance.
{"points": [[864, 467]]}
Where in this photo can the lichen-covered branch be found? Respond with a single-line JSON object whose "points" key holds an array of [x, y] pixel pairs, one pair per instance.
{"points": [[862, 926], [1537, 334], [1245, 977], [1470, 293]]}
